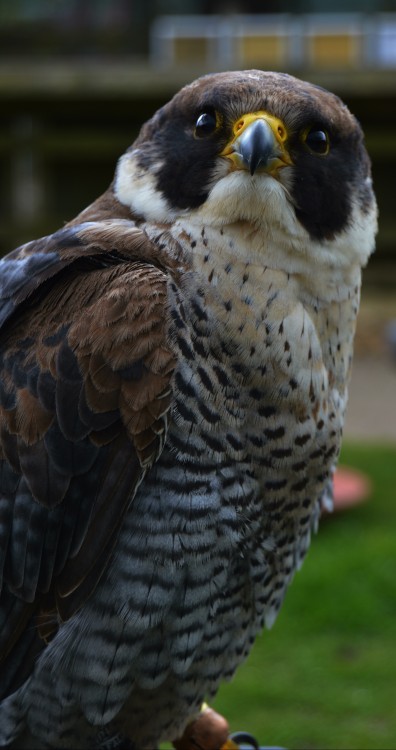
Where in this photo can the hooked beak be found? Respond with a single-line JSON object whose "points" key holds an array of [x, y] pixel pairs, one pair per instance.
{"points": [[258, 143]]}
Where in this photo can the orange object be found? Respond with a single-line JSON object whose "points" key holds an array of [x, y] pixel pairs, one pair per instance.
{"points": [[350, 488]]}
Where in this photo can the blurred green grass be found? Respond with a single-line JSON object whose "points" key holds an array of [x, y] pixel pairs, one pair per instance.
{"points": [[325, 675]]}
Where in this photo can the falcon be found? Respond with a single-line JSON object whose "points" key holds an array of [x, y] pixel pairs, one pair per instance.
{"points": [[174, 372]]}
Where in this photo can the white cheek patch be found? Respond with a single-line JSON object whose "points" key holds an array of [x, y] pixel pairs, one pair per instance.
{"points": [[135, 187], [356, 243], [265, 204]]}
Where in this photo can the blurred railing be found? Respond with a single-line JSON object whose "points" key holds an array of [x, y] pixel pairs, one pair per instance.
{"points": [[322, 41]]}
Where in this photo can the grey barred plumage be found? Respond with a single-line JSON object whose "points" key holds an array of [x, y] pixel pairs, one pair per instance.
{"points": [[179, 374]]}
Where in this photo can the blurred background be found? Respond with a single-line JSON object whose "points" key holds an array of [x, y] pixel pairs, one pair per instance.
{"points": [[77, 79]]}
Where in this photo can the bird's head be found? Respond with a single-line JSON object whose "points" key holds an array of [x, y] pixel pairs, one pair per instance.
{"points": [[254, 146]]}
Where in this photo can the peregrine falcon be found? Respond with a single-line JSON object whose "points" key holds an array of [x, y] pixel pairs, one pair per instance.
{"points": [[174, 373]]}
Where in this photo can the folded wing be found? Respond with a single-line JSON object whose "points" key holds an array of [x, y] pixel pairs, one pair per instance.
{"points": [[85, 393]]}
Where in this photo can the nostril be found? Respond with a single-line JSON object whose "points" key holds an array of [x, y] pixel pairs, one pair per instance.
{"points": [[281, 133]]}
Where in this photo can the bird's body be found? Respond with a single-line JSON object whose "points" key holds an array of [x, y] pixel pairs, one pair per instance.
{"points": [[175, 370]]}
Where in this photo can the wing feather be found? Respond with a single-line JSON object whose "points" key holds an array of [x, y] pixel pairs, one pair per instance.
{"points": [[86, 371]]}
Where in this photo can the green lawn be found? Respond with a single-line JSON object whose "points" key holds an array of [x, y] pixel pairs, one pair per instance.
{"points": [[325, 675]]}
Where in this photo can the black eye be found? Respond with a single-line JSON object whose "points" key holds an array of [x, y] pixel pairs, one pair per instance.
{"points": [[317, 141], [205, 124]]}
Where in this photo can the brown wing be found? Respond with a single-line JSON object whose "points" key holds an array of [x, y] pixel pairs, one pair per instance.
{"points": [[85, 393]]}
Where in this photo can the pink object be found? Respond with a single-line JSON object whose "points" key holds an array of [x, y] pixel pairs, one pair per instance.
{"points": [[350, 488]]}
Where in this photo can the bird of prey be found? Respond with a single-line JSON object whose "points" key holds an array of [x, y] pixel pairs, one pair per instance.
{"points": [[174, 372]]}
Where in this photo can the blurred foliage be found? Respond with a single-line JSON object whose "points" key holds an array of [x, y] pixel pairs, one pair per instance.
{"points": [[117, 27], [97, 9]]}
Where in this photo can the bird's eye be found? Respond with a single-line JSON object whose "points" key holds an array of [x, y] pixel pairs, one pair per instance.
{"points": [[205, 124], [317, 141]]}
